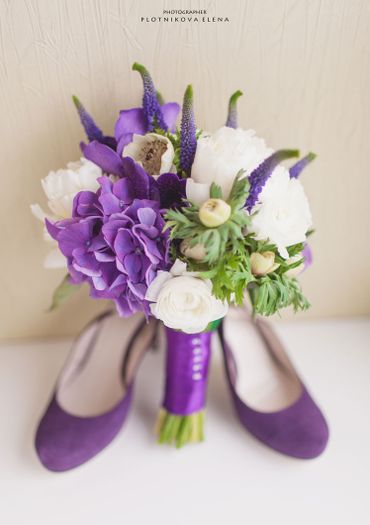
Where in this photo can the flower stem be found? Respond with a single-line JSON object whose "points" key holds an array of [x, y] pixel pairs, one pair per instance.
{"points": [[173, 429]]}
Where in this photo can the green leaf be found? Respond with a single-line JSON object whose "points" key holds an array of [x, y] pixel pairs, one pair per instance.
{"points": [[64, 290], [215, 191]]}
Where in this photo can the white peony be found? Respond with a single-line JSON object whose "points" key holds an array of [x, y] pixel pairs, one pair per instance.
{"points": [[60, 188], [220, 156], [283, 214], [154, 152], [183, 301]]}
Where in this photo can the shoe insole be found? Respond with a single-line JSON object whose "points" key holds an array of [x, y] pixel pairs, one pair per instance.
{"points": [[92, 382], [265, 380]]}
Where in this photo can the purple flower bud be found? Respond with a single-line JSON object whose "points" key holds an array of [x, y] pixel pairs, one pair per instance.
{"points": [[91, 129], [261, 174], [296, 169], [232, 115], [188, 143], [151, 106]]}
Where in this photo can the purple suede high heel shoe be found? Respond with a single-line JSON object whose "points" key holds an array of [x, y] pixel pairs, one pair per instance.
{"points": [[270, 399], [93, 394]]}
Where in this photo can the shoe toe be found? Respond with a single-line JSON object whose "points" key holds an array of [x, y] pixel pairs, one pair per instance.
{"points": [[299, 431], [64, 441], [303, 433]]}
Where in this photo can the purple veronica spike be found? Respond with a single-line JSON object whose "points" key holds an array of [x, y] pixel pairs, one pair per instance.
{"points": [[296, 169], [91, 129], [188, 143], [151, 106], [261, 174], [232, 115]]}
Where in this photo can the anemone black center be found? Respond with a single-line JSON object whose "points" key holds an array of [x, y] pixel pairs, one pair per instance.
{"points": [[151, 156]]}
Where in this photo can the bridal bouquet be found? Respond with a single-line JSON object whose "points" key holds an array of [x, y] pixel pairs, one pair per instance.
{"points": [[179, 223]]}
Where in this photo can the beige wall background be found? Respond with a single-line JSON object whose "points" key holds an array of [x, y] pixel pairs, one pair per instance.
{"points": [[304, 66]]}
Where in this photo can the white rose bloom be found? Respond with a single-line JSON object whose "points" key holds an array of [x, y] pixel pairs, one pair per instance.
{"points": [[283, 214], [183, 301], [60, 188], [220, 156], [154, 152]]}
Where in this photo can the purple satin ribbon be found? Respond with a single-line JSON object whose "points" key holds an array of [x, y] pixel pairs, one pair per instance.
{"points": [[187, 363]]}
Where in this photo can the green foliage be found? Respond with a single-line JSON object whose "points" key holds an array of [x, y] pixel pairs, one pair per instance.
{"points": [[227, 255], [185, 223], [274, 292], [62, 292]]}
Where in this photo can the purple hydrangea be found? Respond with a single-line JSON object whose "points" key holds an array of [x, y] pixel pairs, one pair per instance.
{"points": [[115, 242]]}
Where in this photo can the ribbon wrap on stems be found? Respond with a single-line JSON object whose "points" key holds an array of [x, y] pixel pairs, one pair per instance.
{"points": [[187, 364], [187, 361]]}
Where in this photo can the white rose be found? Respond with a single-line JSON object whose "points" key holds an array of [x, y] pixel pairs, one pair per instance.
{"points": [[283, 214], [183, 301], [60, 188], [220, 156], [154, 152]]}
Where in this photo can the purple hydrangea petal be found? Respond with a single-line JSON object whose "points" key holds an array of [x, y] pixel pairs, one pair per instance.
{"points": [[133, 265], [138, 289], [123, 244], [124, 308], [122, 189], [116, 196], [90, 272], [111, 228], [99, 282], [151, 250], [138, 177], [76, 277], [86, 204], [73, 237], [146, 216], [137, 204], [52, 229], [104, 256], [86, 260]]}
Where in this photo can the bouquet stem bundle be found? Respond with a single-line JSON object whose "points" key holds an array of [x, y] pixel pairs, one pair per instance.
{"points": [[181, 418]]}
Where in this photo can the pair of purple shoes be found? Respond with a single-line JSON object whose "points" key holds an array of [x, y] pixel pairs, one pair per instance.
{"points": [[93, 394]]}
